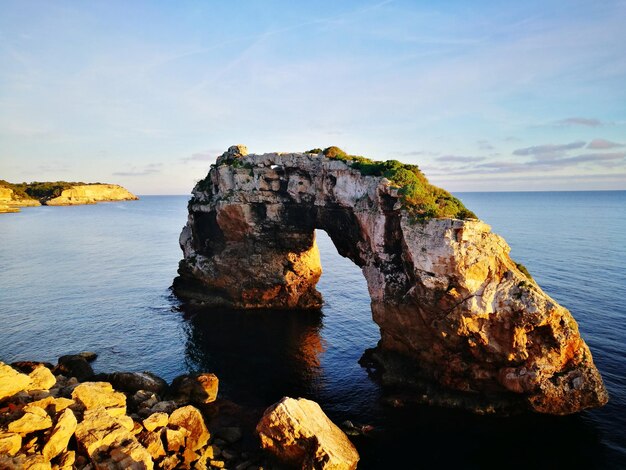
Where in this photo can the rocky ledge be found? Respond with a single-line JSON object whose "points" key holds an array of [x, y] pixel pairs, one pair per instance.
{"points": [[454, 310], [67, 417]]}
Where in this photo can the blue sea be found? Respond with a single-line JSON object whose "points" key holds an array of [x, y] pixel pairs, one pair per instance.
{"points": [[98, 278]]}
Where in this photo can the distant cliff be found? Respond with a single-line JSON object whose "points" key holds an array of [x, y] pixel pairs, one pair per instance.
{"points": [[90, 194], [59, 193]]}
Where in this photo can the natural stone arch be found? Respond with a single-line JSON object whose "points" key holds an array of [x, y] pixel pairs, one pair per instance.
{"points": [[452, 306]]}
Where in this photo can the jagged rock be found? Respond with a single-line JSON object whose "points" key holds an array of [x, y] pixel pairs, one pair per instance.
{"points": [[61, 434], [156, 420], [34, 419], [153, 443], [108, 443], [100, 394], [11, 381], [190, 419], [445, 293], [66, 460], [74, 365], [196, 388], [131, 382], [24, 462], [170, 462], [41, 378], [10, 443], [175, 439], [298, 433]]}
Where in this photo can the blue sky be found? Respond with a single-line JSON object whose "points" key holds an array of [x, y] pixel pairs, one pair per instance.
{"points": [[482, 95]]}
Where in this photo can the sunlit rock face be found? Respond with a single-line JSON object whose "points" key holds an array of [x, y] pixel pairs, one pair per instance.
{"points": [[91, 194], [445, 293]]}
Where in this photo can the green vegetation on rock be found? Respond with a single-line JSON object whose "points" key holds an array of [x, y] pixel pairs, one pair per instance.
{"points": [[420, 199], [524, 270]]}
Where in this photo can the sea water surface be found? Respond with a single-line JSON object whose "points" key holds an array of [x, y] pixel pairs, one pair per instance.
{"points": [[97, 278]]}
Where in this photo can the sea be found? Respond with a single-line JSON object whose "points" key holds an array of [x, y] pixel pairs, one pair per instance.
{"points": [[98, 278]]}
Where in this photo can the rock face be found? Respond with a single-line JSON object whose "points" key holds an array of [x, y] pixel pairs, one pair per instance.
{"points": [[298, 433], [10, 202], [447, 297], [90, 194]]}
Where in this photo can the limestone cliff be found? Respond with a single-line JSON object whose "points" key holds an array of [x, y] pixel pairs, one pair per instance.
{"points": [[447, 297], [91, 194], [11, 202]]}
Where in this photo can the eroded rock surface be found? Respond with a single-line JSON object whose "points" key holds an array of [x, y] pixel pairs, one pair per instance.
{"points": [[445, 293]]}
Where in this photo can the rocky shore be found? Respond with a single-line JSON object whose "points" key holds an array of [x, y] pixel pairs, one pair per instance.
{"points": [[65, 416]]}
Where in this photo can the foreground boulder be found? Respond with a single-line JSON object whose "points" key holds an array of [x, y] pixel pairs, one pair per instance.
{"points": [[12, 381], [298, 433], [445, 293], [93, 395]]}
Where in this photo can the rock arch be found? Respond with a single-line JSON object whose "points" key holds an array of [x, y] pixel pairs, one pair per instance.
{"points": [[452, 307]]}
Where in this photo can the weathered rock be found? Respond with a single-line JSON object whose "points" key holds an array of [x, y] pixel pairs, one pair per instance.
{"points": [[298, 433], [34, 419], [90, 194], [24, 462], [100, 395], [175, 439], [74, 365], [10, 443], [153, 443], [66, 460], [41, 378], [445, 293], [61, 434], [190, 419], [196, 388], [131, 382], [11, 381], [109, 443], [156, 420]]}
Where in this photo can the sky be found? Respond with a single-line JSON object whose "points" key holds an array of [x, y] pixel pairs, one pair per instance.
{"points": [[482, 95]]}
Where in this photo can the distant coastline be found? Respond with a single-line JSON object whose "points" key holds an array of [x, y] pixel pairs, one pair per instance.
{"points": [[13, 196]]}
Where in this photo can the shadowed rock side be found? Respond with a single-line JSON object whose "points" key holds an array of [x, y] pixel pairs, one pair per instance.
{"points": [[449, 300]]}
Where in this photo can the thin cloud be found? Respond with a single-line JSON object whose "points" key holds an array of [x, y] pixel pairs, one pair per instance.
{"points": [[484, 145], [416, 153], [459, 159], [149, 169], [548, 149], [207, 156], [580, 121], [602, 144]]}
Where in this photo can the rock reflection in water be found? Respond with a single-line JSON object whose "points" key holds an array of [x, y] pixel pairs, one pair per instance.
{"points": [[259, 356]]}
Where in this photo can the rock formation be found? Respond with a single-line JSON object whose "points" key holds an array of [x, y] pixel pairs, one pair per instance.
{"points": [[298, 433], [91, 194], [451, 305]]}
